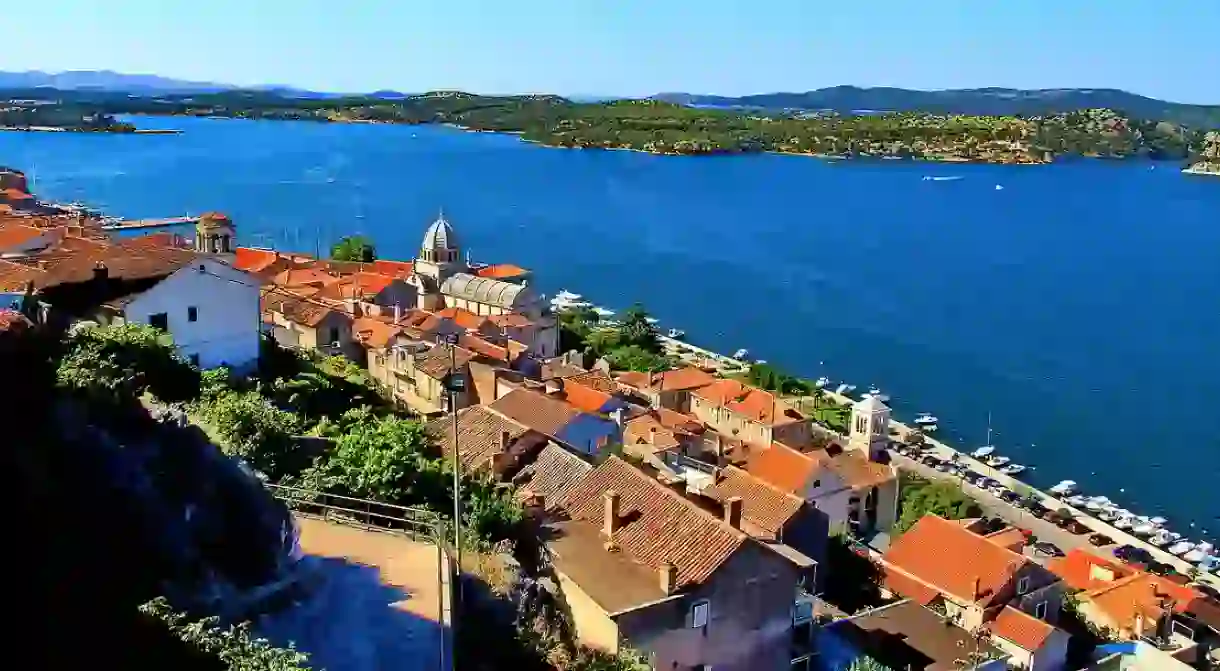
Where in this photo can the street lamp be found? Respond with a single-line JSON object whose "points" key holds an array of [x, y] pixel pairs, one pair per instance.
{"points": [[453, 384]]}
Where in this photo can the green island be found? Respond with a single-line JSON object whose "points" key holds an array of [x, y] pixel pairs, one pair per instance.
{"points": [[58, 117], [666, 128], [1209, 156]]}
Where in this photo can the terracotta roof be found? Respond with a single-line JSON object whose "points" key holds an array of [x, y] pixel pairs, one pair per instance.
{"points": [[483, 347], [764, 506], [436, 364], [1023, 629], [124, 264], [656, 525], [399, 269], [254, 260], [464, 318], [373, 333], [1083, 570], [784, 467], [904, 585], [588, 399], [156, 239], [552, 475], [13, 321], [951, 558], [302, 276], [670, 380], [14, 236], [15, 276], [558, 370], [540, 412], [295, 309], [501, 271], [480, 434], [1009, 537], [857, 471], [594, 379], [670, 427], [511, 320], [16, 194], [751, 402], [1144, 593]]}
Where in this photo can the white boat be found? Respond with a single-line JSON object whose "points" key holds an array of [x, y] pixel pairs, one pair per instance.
{"points": [[1124, 522], [1181, 548], [652, 320], [1012, 469], [677, 334], [925, 418], [741, 354], [984, 451], [998, 461], [842, 389], [1108, 515], [1205, 547], [1098, 503], [1158, 520], [1160, 538], [1195, 556], [821, 382], [929, 428], [1076, 501], [1144, 529], [1064, 488], [998, 187], [876, 393], [603, 312]]}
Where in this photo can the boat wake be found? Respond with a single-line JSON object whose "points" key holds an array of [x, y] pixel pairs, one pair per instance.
{"points": [[936, 178]]}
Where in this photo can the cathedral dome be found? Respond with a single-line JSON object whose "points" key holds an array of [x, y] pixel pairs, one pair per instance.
{"points": [[440, 236]]}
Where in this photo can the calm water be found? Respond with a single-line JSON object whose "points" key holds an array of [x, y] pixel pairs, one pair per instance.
{"points": [[1078, 305]]}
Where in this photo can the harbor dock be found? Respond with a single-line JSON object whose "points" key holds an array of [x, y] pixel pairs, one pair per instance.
{"points": [[135, 224]]}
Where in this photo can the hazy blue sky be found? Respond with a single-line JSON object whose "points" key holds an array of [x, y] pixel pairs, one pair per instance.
{"points": [[1163, 48]]}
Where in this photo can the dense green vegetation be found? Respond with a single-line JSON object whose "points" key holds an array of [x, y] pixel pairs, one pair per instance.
{"points": [[767, 376], [354, 248], [654, 126], [918, 497], [66, 116], [233, 645], [631, 343]]}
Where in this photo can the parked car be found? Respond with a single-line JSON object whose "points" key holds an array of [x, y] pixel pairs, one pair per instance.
{"points": [[1100, 540], [1047, 549], [1077, 527], [1010, 496], [1133, 554]]}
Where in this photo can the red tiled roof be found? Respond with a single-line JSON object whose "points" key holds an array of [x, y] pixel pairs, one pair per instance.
{"points": [[1143, 594], [1021, 628], [784, 467], [480, 434], [254, 260], [501, 271], [656, 525], [464, 318], [16, 194], [585, 398], [540, 412], [552, 475], [13, 322], [671, 380], [438, 362], [764, 506], [296, 309], [399, 269], [14, 236], [751, 402], [1083, 570], [483, 348], [511, 320], [902, 584], [373, 333], [594, 379], [303, 276], [954, 560]]}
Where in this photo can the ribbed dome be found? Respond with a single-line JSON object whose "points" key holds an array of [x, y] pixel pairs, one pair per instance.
{"points": [[440, 236]]}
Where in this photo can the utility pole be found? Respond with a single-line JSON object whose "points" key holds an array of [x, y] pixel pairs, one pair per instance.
{"points": [[453, 384]]}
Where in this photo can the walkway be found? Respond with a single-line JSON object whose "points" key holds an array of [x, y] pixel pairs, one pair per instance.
{"points": [[376, 601]]}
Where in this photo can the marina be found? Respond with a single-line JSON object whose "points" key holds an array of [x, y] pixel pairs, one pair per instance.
{"points": [[992, 472]]}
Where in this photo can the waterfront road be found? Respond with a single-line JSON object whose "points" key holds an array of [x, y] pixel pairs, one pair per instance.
{"points": [[993, 506]]}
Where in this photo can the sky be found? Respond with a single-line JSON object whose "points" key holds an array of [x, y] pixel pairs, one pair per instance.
{"points": [[1162, 48]]}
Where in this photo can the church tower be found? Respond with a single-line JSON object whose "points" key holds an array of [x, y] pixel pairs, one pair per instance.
{"points": [[870, 427], [440, 255], [215, 234]]}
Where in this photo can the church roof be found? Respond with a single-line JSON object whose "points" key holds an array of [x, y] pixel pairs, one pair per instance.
{"points": [[483, 290], [440, 235], [870, 404]]}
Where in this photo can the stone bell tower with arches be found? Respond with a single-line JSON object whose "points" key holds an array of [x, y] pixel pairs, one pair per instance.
{"points": [[215, 234], [870, 427]]}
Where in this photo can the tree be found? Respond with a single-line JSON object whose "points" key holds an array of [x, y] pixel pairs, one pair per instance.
{"points": [[107, 363], [233, 646], [636, 330], [918, 497], [634, 357], [354, 248], [249, 427], [384, 460]]}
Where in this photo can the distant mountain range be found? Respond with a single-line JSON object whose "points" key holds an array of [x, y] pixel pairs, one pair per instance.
{"points": [[105, 80], [986, 101]]}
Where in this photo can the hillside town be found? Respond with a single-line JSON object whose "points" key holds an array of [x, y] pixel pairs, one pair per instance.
{"points": [[698, 519]]}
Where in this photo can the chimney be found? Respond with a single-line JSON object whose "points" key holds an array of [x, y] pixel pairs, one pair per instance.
{"points": [[610, 515], [617, 415], [506, 438], [397, 313], [100, 273], [978, 588], [652, 435], [669, 578], [732, 511]]}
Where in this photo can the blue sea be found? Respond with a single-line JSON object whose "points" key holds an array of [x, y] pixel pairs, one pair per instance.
{"points": [[1078, 306]]}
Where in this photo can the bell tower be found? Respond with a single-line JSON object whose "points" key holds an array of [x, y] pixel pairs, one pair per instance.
{"points": [[215, 234], [870, 427], [440, 255]]}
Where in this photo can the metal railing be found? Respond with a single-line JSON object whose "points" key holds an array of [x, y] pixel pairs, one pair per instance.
{"points": [[416, 523]]}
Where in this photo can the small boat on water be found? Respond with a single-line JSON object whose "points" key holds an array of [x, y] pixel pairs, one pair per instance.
{"points": [[1012, 469], [1098, 503], [1076, 501], [998, 461], [845, 388], [821, 382], [1064, 488], [677, 334], [603, 312], [1144, 529], [925, 418], [1180, 548], [1160, 538], [998, 187], [929, 428], [741, 354], [1196, 555], [876, 393], [982, 452], [1108, 515], [1158, 520]]}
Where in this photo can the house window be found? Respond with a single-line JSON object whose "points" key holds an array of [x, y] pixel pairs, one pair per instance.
{"points": [[194, 360], [334, 336], [1022, 585], [699, 612], [159, 320], [1040, 610], [192, 314]]}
